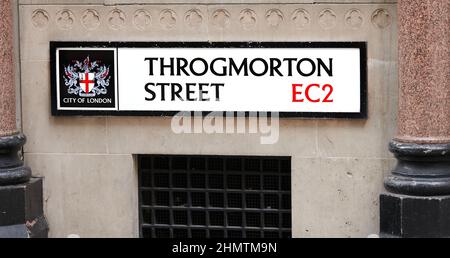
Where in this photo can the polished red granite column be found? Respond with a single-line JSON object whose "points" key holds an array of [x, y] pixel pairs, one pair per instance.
{"points": [[12, 170], [21, 205], [424, 58], [7, 87], [418, 204]]}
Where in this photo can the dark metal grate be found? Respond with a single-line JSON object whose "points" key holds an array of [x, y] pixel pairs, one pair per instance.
{"points": [[215, 196]]}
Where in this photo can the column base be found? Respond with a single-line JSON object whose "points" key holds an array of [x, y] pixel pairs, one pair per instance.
{"points": [[422, 169], [21, 211], [12, 170], [414, 217]]}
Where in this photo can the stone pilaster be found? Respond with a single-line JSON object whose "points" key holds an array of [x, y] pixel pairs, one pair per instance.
{"points": [[21, 213], [418, 204]]}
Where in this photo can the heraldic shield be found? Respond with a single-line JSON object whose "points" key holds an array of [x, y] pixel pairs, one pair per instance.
{"points": [[87, 84]]}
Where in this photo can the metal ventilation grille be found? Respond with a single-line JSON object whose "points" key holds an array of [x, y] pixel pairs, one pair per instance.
{"points": [[215, 197]]}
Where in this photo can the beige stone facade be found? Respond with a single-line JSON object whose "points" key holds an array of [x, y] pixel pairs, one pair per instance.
{"points": [[88, 163]]}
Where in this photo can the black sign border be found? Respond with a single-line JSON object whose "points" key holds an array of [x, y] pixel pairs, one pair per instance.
{"points": [[362, 46]]}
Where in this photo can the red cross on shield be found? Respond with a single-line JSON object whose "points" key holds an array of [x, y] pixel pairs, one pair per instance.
{"points": [[87, 82]]}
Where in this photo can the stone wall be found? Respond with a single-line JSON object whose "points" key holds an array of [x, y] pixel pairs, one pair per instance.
{"points": [[90, 182]]}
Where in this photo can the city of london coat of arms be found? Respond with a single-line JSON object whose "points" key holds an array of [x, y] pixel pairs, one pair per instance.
{"points": [[87, 79]]}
